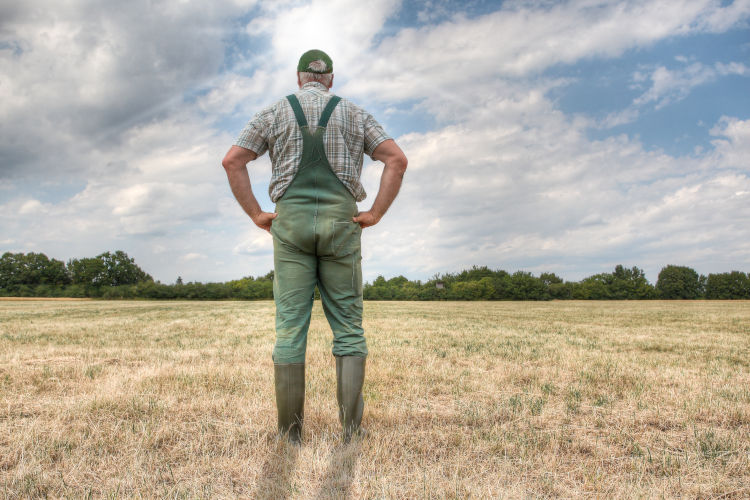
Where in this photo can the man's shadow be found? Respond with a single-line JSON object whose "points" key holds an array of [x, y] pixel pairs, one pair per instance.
{"points": [[338, 477], [276, 473]]}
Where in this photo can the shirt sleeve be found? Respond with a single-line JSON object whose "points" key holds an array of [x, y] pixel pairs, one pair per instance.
{"points": [[374, 134], [256, 133]]}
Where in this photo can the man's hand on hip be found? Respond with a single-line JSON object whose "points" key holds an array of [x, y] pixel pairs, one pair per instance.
{"points": [[263, 220], [366, 219]]}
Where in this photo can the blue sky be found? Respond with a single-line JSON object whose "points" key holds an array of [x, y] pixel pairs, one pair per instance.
{"points": [[542, 136]]}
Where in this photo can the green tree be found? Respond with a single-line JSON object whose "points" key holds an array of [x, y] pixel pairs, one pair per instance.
{"points": [[596, 287], [396, 282], [679, 282], [88, 271], [122, 270], [465, 290], [550, 278], [476, 273], [631, 284], [107, 269], [32, 269], [45, 271], [502, 286], [525, 286], [622, 284], [430, 291], [561, 291], [733, 285]]}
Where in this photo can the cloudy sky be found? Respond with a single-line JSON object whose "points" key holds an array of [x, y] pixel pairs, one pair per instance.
{"points": [[542, 136]]}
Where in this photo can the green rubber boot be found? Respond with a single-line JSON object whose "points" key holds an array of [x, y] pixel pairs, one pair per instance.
{"points": [[350, 376], [290, 399]]}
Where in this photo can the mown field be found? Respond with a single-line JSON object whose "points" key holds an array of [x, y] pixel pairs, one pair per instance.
{"points": [[463, 400]]}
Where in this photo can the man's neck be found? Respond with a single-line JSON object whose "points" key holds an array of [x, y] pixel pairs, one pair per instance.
{"points": [[314, 85]]}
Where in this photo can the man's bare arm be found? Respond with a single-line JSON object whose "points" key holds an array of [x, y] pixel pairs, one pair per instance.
{"points": [[390, 182], [235, 163]]}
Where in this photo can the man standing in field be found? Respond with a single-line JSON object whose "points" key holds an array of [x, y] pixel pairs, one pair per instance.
{"points": [[316, 142]]}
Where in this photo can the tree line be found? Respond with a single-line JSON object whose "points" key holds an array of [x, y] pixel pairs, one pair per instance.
{"points": [[112, 276], [482, 283], [117, 276]]}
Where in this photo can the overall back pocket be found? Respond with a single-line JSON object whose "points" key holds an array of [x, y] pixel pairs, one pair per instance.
{"points": [[346, 238]]}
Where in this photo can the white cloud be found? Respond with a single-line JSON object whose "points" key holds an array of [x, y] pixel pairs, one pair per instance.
{"points": [[669, 86], [77, 77], [718, 20], [295, 29], [30, 207], [523, 39], [732, 146], [616, 118], [194, 256], [255, 242], [145, 195]]}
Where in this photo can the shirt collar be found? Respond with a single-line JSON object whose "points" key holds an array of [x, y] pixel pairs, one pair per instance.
{"points": [[315, 85]]}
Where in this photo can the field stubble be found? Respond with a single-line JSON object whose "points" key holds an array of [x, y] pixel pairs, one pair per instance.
{"points": [[463, 400]]}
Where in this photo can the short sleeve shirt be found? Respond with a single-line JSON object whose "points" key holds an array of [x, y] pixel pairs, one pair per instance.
{"points": [[351, 133]]}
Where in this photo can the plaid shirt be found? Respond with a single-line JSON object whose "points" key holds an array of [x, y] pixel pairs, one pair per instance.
{"points": [[351, 132]]}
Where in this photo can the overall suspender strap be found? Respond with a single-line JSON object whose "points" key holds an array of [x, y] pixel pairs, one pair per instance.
{"points": [[300, 115], [294, 103], [332, 102]]}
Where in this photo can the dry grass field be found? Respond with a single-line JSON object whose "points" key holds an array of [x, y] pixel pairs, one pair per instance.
{"points": [[463, 400]]}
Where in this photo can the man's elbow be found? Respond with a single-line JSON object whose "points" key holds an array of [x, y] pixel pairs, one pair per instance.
{"points": [[230, 164], [400, 165], [237, 158]]}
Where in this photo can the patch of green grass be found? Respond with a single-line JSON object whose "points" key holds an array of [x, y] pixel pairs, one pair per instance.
{"points": [[536, 404], [515, 403], [94, 371], [573, 400], [549, 388], [601, 400], [711, 446]]}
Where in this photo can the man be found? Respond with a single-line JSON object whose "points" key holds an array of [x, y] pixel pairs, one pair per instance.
{"points": [[316, 142]]}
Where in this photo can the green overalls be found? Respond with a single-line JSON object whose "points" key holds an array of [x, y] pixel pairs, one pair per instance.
{"points": [[316, 242]]}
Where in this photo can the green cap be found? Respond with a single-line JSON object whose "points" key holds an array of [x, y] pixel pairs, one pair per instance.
{"points": [[314, 55]]}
